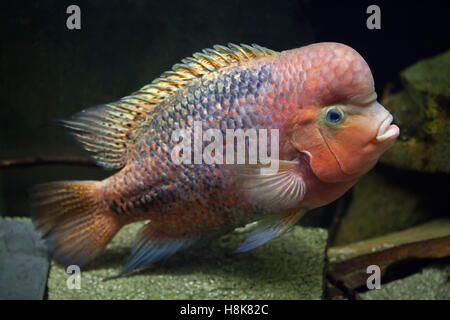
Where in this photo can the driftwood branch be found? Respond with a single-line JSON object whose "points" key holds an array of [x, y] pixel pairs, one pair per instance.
{"points": [[46, 160], [351, 274], [342, 285]]}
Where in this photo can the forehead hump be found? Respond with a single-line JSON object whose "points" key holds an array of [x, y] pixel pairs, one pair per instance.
{"points": [[333, 72]]}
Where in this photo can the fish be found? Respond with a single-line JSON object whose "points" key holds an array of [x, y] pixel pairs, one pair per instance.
{"points": [[327, 129]]}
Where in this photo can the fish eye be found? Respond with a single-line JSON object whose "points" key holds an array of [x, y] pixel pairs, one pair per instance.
{"points": [[334, 115]]}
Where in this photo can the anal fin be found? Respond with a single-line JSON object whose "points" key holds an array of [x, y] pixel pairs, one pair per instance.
{"points": [[154, 245], [268, 229]]}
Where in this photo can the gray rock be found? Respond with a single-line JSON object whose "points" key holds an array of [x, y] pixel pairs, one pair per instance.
{"points": [[23, 261]]}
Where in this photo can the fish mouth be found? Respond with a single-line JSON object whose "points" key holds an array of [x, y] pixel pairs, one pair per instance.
{"points": [[387, 130]]}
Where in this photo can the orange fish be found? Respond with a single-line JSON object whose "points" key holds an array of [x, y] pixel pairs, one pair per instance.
{"points": [[318, 100]]}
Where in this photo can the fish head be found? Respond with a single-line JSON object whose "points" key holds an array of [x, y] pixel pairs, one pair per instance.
{"points": [[338, 121]]}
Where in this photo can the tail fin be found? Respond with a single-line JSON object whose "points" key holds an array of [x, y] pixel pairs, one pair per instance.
{"points": [[75, 223]]}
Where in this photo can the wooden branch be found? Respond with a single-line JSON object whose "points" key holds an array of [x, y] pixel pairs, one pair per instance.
{"points": [[342, 285], [352, 272], [46, 160]]}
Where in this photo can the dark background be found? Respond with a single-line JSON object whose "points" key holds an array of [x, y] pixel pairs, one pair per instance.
{"points": [[48, 72]]}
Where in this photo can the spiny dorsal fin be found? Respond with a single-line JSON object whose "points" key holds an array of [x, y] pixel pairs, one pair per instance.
{"points": [[201, 63], [108, 130]]}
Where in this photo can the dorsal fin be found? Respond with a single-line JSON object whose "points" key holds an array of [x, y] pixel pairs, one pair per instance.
{"points": [[108, 130]]}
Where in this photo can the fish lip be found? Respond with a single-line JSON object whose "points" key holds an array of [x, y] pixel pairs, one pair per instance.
{"points": [[387, 130]]}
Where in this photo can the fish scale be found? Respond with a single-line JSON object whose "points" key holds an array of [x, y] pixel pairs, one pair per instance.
{"points": [[151, 145]]}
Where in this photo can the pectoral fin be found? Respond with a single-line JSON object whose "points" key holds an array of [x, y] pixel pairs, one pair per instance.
{"points": [[273, 191]]}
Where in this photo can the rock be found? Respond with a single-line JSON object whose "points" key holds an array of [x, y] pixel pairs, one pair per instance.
{"points": [[289, 267], [422, 112], [430, 284], [23, 261], [383, 201]]}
